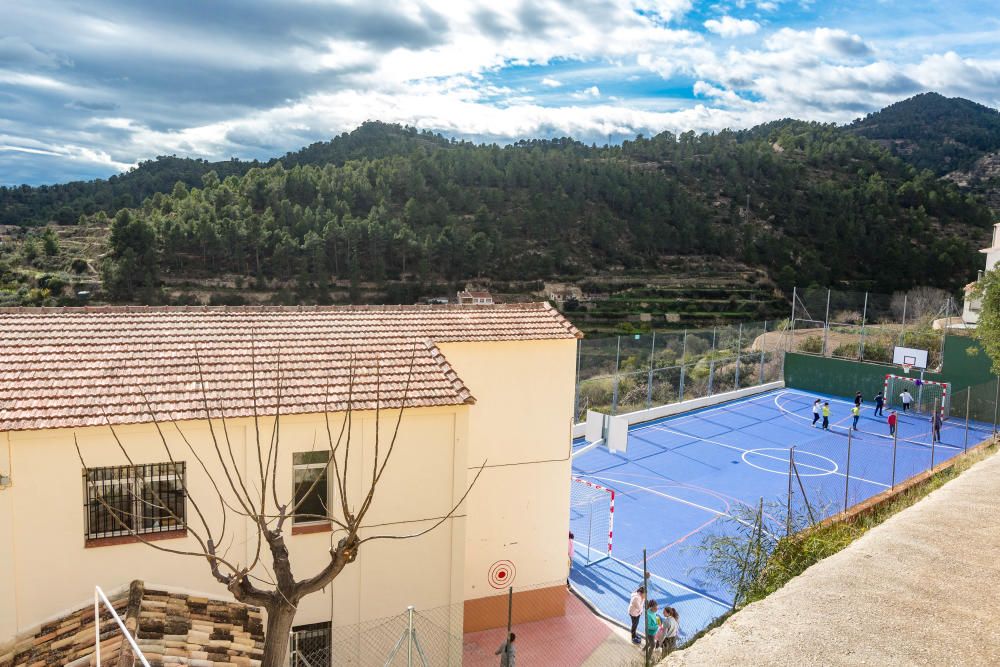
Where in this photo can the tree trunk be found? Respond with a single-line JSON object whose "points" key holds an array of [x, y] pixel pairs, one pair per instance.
{"points": [[279, 625]]}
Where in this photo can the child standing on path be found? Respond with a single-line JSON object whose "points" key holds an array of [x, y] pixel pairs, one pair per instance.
{"points": [[857, 398], [856, 412], [815, 412], [879, 402], [937, 427], [826, 416], [906, 397], [635, 606], [892, 422]]}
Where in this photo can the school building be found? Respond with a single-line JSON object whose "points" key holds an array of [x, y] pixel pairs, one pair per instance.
{"points": [[486, 386]]}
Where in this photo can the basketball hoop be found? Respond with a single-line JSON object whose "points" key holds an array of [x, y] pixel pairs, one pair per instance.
{"points": [[906, 368]]}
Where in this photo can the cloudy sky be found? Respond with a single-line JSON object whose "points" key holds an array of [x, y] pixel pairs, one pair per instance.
{"points": [[89, 87]]}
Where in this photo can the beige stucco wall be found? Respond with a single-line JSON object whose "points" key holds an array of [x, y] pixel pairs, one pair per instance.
{"points": [[48, 570], [519, 508], [8, 626]]}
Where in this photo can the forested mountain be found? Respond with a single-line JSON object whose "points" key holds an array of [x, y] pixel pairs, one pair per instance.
{"points": [[398, 209], [65, 203], [824, 206], [934, 132]]}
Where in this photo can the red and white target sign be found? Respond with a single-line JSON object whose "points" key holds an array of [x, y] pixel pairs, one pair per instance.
{"points": [[502, 574]]}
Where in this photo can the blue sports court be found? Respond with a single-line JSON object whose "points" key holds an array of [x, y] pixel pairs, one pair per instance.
{"points": [[682, 476]]}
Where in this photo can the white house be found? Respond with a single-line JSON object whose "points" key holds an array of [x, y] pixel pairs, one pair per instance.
{"points": [[970, 313]]}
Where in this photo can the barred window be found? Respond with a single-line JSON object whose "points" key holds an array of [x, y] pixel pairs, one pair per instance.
{"points": [[123, 500], [309, 468], [311, 645]]}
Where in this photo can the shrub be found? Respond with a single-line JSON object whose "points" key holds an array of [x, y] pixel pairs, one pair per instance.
{"points": [[812, 344]]}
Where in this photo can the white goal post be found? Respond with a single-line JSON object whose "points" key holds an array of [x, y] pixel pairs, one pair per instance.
{"points": [[592, 508], [924, 393]]}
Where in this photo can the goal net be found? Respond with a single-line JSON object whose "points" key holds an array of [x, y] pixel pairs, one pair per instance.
{"points": [[591, 519], [923, 393]]}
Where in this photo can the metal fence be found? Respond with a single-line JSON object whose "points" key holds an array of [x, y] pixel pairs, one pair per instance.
{"points": [[549, 625], [634, 372], [874, 466], [867, 325]]}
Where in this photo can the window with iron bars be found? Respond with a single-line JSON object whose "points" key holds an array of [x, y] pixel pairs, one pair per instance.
{"points": [[125, 500], [310, 646]]}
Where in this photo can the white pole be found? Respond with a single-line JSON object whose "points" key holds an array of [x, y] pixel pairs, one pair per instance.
{"points": [[864, 320], [826, 323], [409, 644], [128, 635], [97, 628]]}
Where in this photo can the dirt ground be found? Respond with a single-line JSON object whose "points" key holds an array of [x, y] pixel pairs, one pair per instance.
{"points": [[923, 588]]}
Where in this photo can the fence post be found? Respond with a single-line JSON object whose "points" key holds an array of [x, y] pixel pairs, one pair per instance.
{"points": [[614, 391], [847, 473], [649, 383], [576, 388], [895, 434], [684, 348], [711, 375], [739, 346], [864, 321], [968, 403], [763, 347], [788, 520], [996, 404], [903, 328], [409, 636], [648, 648], [794, 298], [826, 323], [933, 432], [510, 609]]}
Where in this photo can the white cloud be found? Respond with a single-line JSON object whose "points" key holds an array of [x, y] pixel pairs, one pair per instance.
{"points": [[588, 93], [667, 10], [833, 43], [435, 64], [728, 26]]}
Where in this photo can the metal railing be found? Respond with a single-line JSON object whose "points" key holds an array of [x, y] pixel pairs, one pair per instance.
{"points": [[99, 599]]}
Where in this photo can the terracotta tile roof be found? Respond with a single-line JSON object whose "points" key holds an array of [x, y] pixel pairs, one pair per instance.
{"points": [[69, 367], [169, 627]]}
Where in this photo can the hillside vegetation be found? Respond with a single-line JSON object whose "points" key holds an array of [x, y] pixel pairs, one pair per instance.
{"points": [[954, 138], [389, 213]]}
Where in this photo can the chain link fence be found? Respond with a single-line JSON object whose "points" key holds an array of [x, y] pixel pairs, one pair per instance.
{"points": [[867, 325], [917, 442], [549, 625], [636, 372]]}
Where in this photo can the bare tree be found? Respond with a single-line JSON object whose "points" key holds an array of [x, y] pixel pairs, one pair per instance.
{"points": [[272, 585]]}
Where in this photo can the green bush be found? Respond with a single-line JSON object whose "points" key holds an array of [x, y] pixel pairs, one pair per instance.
{"points": [[846, 351], [812, 344]]}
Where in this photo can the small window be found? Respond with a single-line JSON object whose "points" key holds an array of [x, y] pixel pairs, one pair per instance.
{"points": [[309, 471], [124, 500]]}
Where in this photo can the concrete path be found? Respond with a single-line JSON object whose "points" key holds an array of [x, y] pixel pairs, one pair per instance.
{"points": [[923, 588]]}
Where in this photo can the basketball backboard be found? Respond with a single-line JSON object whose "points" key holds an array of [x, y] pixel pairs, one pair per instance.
{"points": [[909, 356]]}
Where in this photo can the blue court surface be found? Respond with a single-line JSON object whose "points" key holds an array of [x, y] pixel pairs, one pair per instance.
{"points": [[682, 476]]}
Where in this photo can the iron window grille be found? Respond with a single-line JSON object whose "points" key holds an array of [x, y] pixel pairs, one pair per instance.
{"points": [[311, 646], [125, 500], [307, 468]]}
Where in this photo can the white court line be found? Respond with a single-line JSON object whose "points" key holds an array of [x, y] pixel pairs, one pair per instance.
{"points": [[684, 417], [792, 413], [768, 456], [682, 501], [678, 584]]}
